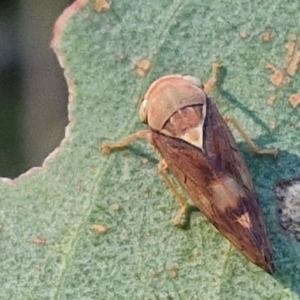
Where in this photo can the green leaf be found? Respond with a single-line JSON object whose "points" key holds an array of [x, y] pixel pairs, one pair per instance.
{"points": [[142, 256]]}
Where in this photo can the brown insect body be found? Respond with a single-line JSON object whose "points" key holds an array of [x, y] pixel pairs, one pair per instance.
{"points": [[200, 151]]}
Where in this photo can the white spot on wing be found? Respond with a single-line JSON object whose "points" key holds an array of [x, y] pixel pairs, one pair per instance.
{"points": [[244, 220], [194, 136]]}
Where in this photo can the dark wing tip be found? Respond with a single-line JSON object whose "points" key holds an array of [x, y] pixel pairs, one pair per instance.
{"points": [[269, 267]]}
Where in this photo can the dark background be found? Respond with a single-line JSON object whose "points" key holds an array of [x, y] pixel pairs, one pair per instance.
{"points": [[33, 91]]}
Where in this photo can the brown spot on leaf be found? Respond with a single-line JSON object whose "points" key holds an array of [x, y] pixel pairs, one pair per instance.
{"points": [[146, 190], [142, 67], [195, 254], [136, 100], [154, 274], [292, 57], [244, 35], [291, 47], [123, 57], [295, 100], [116, 207], [293, 65], [273, 125], [173, 272], [279, 77], [37, 267], [145, 160], [271, 100], [266, 36], [101, 5], [98, 228], [39, 240]]}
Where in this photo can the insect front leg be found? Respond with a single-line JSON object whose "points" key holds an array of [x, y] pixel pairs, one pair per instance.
{"points": [[247, 139], [106, 147], [211, 83], [179, 219]]}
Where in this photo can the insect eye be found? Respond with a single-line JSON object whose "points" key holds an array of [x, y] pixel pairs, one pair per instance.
{"points": [[143, 111], [193, 80]]}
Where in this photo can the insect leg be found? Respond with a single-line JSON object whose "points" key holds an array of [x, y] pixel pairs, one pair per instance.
{"points": [[106, 147], [247, 139], [179, 219], [210, 84]]}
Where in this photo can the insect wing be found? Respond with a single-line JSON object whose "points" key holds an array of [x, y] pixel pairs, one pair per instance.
{"points": [[217, 180]]}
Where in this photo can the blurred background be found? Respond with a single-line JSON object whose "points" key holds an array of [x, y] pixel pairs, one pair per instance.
{"points": [[33, 91]]}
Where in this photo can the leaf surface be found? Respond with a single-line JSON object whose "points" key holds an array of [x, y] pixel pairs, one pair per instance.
{"points": [[142, 256]]}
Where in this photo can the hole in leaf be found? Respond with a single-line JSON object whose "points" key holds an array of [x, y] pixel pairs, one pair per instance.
{"points": [[288, 195], [33, 91]]}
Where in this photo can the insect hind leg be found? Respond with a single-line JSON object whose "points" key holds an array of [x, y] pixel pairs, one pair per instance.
{"points": [[247, 139]]}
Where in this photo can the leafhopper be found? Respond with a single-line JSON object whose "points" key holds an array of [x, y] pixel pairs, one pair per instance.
{"points": [[195, 144]]}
